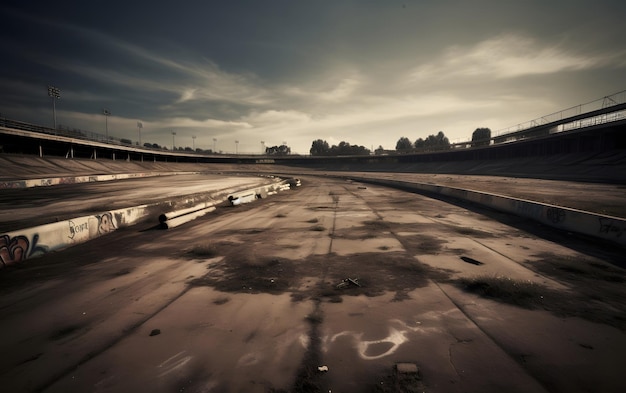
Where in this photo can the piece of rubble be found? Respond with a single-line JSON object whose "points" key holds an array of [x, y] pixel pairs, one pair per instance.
{"points": [[347, 282]]}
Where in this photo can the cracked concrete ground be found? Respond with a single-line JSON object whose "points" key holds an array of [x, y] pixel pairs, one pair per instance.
{"points": [[246, 300]]}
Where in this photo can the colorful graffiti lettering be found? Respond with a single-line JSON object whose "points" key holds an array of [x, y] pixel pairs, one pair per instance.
{"points": [[13, 250], [105, 223]]}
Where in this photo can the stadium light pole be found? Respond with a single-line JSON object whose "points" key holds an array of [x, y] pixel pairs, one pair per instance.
{"points": [[173, 140], [236, 147], [139, 127], [262, 147], [55, 93], [193, 142], [214, 145], [106, 114]]}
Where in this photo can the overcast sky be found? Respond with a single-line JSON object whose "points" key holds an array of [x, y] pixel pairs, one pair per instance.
{"points": [[366, 72]]}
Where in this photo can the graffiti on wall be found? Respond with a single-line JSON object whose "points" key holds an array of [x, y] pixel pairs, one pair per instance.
{"points": [[76, 229], [13, 250], [555, 215], [105, 223], [611, 227], [528, 209], [18, 248], [13, 184]]}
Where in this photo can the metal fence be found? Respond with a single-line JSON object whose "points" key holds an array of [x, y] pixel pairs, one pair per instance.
{"points": [[605, 102]]}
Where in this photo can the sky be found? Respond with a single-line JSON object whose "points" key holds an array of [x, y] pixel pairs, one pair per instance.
{"points": [[366, 72]]}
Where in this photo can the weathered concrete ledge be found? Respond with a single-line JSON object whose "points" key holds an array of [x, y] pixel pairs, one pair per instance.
{"points": [[54, 181], [600, 226], [19, 245]]}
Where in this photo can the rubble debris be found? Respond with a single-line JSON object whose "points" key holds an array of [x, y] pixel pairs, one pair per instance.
{"points": [[322, 368], [155, 332]]}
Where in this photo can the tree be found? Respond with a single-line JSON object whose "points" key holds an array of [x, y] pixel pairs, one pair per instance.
{"points": [[319, 148], [433, 142], [441, 141], [281, 150], [346, 149], [379, 151], [481, 137], [404, 144]]}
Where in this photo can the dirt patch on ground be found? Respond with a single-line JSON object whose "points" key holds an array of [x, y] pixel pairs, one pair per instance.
{"points": [[241, 270], [597, 289]]}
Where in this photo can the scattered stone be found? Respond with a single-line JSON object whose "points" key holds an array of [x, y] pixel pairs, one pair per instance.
{"points": [[348, 282], [322, 368], [155, 332]]}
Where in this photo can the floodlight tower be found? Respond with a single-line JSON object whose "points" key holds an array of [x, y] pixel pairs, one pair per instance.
{"points": [[55, 93], [139, 127], [106, 114]]}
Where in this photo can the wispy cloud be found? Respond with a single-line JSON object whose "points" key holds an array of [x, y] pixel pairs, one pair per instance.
{"points": [[190, 80], [506, 56]]}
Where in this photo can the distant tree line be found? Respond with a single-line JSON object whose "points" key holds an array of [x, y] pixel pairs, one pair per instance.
{"points": [[431, 143], [320, 147], [480, 137]]}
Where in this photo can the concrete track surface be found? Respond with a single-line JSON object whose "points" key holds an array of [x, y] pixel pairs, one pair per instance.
{"points": [[253, 299]]}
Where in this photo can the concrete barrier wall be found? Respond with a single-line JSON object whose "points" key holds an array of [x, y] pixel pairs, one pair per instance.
{"points": [[17, 246], [27, 243], [53, 181], [600, 226]]}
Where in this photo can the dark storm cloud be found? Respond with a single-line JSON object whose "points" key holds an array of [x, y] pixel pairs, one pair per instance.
{"points": [[363, 71]]}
